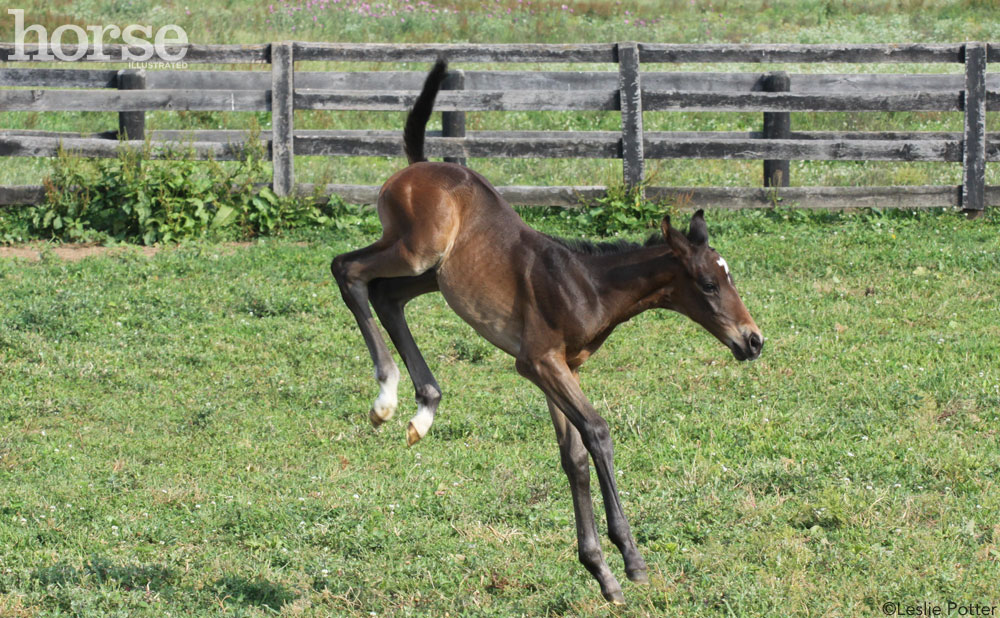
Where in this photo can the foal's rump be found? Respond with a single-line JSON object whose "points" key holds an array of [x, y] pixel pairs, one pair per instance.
{"points": [[431, 206], [447, 218]]}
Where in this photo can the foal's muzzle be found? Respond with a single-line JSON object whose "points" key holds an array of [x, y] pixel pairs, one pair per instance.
{"points": [[749, 348]]}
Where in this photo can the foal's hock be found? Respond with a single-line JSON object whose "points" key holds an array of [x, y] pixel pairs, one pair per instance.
{"points": [[547, 302]]}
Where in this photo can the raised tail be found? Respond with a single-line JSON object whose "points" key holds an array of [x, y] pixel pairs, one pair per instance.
{"points": [[416, 121]]}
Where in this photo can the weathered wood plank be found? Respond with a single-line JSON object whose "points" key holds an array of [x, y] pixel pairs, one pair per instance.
{"points": [[526, 144], [790, 102], [22, 194], [876, 53], [566, 81], [211, 80], [807, 150], [993, 52], [453, 101], [777, 125], [34, 146], [458, 52], [59, 78], [974, 153], [55, 134], [190, 53], [599, 53], [518, 195], [132, 125], [453, 123], [566, 196], [549, 144], [630, 89], [282, 118], [472, 145], [906, 197], [225, 136], [880, 83], [352, 194], [134, 100]]}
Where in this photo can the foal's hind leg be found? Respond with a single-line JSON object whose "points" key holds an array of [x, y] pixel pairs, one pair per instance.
{"points": [[353, 271], [389, 296]]}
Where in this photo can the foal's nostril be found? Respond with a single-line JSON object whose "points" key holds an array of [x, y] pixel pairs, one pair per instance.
{"points": [[755, 343]]}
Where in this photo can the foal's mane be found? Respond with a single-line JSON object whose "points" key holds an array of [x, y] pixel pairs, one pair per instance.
{"points": [[589, 247]]}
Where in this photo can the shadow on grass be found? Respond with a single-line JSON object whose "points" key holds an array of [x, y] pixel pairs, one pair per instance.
{"points": [[103, 571], [257, 591]]}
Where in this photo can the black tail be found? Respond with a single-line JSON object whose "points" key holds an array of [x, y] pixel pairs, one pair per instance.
{"points": [[416, 121]]}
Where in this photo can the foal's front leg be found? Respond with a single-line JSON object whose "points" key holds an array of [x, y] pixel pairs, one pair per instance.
{"points": [[576, 464], [550, 372]]}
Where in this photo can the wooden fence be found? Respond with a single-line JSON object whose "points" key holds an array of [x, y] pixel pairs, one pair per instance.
{"points": [[628, 90]]}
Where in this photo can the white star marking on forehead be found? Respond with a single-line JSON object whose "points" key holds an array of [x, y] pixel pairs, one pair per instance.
{"points": [[722, 262]]}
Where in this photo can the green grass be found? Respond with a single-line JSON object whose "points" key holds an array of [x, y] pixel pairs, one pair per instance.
{"points": [[187, 434]]}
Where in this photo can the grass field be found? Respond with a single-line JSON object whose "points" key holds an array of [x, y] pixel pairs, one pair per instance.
{"points": [[187, 434]]}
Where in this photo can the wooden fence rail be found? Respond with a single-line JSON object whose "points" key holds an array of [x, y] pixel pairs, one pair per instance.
{"points": [[628, 90]]}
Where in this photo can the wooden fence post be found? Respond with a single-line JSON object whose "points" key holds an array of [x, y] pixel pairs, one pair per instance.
{"points": [[282, 110], [633, 166], [132, 125], [777, 125], [974, 144], [453, 123]]}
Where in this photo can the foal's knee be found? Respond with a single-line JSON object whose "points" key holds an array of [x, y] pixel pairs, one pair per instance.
{"points": [[576, 464], [338, 268], [345, 271], [589, 554], [596, 433]]}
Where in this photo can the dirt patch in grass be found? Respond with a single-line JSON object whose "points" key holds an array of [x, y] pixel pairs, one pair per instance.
{"points": [[76, 252]]}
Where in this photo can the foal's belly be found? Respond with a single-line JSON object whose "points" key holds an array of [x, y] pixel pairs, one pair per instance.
{"points": [[484, 298]]}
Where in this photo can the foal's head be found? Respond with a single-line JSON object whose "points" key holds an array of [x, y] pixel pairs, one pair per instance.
{"points": [[705, 291]]}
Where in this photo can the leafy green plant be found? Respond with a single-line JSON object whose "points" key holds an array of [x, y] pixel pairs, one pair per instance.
{"points": [[15, 225], [620, 210], [134, 198], [342, 215]]}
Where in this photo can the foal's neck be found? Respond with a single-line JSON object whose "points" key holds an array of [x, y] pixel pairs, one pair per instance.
{"points": [[635, 280]]}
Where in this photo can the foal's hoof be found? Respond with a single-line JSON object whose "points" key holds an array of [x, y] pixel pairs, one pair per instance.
{"points": [[419, 425], [381, 412], [638, 577], [614, 597], [412, 435]]}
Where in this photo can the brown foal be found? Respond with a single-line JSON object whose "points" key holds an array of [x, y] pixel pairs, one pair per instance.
{"points": [[547, 302]]}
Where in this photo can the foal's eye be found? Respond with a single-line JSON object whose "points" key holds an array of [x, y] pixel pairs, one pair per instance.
{"points": [[709, 287]]}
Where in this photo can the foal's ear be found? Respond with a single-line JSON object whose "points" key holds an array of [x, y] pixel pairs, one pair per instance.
{"points": [[679, 245], [698, 231]]}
